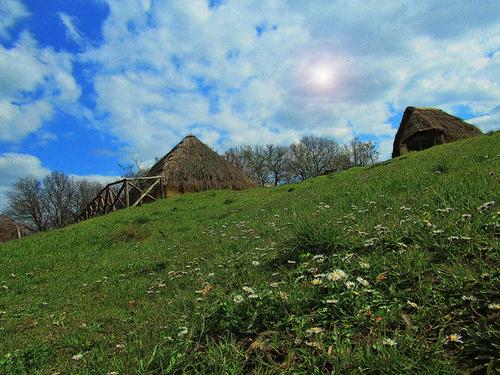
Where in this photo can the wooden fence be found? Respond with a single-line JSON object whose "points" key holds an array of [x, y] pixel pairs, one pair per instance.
{"points": [[128, 192]]}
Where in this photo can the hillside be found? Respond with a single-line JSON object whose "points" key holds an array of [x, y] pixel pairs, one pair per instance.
{"points": [[388, 269]]}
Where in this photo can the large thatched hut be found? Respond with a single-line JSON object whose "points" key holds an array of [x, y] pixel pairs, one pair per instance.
{"points": [[193, 166], [422, 128]]}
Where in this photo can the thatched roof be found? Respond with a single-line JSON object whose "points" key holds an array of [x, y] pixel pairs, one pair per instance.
{"points": [[431, 121], [193, 166]]}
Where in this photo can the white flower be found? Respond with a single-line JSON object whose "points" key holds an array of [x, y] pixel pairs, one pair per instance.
{"points": [[364, 265], [255, 262], [362, 281], [454, 337], [412, 304], [238, 298], [183, 331], [336, 275], [330, 301], [283, 295], [389, 342], [314, 330], [349, 285], [316, 282], [253, 296], [319, 258], [77, 357], [486, 206], [248, 290], [469, 298]]}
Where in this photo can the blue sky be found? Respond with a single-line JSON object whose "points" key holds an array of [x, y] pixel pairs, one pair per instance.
{"points": [[88, 84]]}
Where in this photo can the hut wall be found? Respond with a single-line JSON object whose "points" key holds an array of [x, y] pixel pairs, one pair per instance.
{"points": [[423, 139]]}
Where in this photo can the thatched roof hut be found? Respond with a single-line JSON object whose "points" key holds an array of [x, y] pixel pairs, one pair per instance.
{"points": [[193, 166], [422, 128]]}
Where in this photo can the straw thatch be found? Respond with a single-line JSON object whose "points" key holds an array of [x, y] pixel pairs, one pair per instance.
{"points": [[422, 128], [193, 166]]}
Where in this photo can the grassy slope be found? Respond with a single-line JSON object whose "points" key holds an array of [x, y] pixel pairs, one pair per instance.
{"points": [[160, 287]]}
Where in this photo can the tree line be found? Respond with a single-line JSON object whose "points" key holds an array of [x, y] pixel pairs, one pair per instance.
{"points": [[56, 200], [51, 202], [312, 156]]}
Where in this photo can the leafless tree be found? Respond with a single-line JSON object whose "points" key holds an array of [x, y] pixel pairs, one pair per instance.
{"points": [[87, 191], [133, 169], [234, 157], [313, 156], [61, 196], [276, 160], [362, 153], [27, 204], [51, 203], [254, 159]]}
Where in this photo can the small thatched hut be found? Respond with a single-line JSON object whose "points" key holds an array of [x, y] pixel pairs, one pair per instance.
{"points": [[193, 166], [422, 128]]}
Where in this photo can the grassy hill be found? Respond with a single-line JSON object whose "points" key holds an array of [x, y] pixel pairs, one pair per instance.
{"points": [[388, 269]]}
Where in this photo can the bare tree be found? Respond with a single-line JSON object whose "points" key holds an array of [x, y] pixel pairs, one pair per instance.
{"points": [[51, 203], [134, 169], [254, 159], [87, 191], [362, 153], [313, 156], [343, 160], [27, 203], [310, 157], [276, 160], [61, 196], [234, 157], [251, 160]]}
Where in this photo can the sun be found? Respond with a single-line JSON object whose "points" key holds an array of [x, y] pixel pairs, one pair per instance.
{"points": [[320, 76]]}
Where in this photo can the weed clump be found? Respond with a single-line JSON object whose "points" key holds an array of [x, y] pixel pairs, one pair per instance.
{"points": [[130, 233]]}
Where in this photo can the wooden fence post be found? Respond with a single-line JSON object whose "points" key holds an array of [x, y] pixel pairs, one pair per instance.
{"points": [[127, 198]]}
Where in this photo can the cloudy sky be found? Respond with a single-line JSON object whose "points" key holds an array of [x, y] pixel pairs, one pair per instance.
{"points": [[88, 84]]}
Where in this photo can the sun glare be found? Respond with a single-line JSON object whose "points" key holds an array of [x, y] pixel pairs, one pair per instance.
{"points": [[322, 75], [319, 76]]}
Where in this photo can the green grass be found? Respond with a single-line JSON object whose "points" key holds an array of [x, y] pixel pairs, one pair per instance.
{"points": [[245, 282]]}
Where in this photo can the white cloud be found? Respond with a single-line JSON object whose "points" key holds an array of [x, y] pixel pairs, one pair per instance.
{"points": [[33, 82], [72, 32], [238, 73], [487, 122], [103, 179], [10, 12], [233, 74]]}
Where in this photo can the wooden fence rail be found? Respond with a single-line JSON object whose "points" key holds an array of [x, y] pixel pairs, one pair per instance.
{"points": [[128, 192]]}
